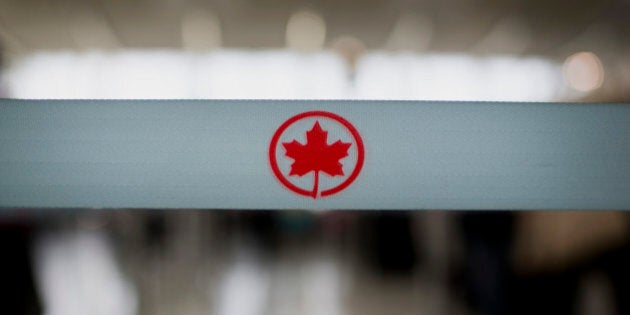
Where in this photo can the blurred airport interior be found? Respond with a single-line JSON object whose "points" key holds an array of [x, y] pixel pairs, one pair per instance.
{"points": [[240, 262]]}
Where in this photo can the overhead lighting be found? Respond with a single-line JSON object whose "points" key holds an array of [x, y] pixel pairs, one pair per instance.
{"points": [[583, 72], [283, 74]]}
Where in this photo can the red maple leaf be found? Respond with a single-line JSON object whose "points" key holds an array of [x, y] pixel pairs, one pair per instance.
{"points": [[316, 155]]}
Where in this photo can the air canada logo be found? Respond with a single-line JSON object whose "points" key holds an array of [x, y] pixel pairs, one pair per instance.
{"points": [[316, 154]]}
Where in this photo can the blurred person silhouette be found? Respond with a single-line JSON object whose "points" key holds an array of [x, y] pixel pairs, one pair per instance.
{"points": [[18, 293], [486, 266], [389, 242]]}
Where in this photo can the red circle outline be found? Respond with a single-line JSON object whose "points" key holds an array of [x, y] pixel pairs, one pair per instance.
{"points": [[323, 193]]}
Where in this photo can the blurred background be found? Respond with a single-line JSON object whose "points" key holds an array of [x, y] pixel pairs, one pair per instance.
{"points": [[243, 262]]}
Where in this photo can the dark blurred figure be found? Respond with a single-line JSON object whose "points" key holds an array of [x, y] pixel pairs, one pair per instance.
{"points": [[257, 228], [389, 241], [487, 271], [615, 264], [18, 292], [155, 230]]}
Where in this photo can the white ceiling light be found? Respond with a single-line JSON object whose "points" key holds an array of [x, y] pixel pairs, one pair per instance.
{"points": [[583, 72]]}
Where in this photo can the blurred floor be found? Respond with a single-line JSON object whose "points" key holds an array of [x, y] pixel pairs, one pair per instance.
{"points": [[294, 262], [231, 263]]}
